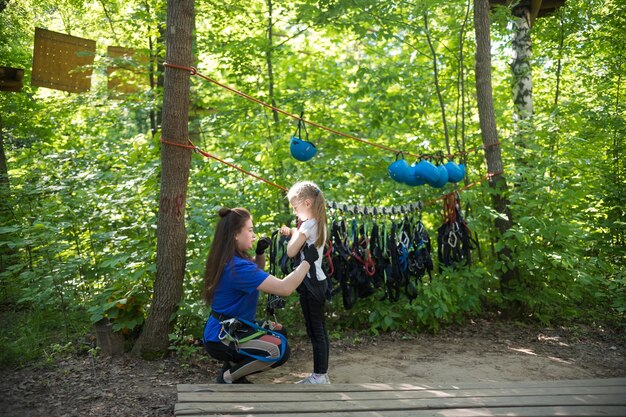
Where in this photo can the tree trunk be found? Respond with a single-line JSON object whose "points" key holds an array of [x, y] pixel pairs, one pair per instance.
{"points": [[554, 141], [486, 113], [522, 74], [5, 209], [171, 234], [617, 230], [437, 88], [153, 113], [268, 57], [4, 169], [156, 80], [460, 147]]}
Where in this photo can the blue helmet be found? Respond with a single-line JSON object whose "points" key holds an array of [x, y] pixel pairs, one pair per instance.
{"points": [[443, 178], [399, 170], [427, 170], [455, 172], [302, 150], [414, 178]]}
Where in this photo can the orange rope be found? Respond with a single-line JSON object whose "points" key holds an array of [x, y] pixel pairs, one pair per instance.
{"points": [[208, 155], [447, 196], [194, 71], [488, 177], [191, 146]]}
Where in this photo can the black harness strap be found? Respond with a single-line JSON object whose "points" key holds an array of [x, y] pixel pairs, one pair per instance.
{"points": [[342, 262], [454, 240], [395, 276]]}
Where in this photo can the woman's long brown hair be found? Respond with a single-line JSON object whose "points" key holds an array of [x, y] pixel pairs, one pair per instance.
{"points": [[223, 248]]}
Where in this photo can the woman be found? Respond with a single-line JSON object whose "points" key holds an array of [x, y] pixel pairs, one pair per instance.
{"points": [[232, 282]]}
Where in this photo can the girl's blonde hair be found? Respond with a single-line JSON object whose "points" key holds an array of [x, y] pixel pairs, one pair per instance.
{"points": [[307, 190]]}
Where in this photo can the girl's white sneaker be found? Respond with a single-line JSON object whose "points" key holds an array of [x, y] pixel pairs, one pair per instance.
{"points": [[315, 379]]}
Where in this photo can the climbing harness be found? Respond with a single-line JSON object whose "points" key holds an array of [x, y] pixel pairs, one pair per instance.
{"points": [[397, 270], [237, 331], [341, 257], [274, 302], [420, 260], [364, 267], [454, 238]]}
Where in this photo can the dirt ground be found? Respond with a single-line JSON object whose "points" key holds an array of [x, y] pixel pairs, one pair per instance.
{"points": [[478, 351]]}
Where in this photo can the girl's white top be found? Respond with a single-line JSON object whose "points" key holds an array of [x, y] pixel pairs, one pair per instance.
{"points": [[310, 230]]}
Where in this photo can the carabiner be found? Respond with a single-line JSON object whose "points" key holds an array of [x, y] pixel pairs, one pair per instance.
{"points": [[452, 239]]}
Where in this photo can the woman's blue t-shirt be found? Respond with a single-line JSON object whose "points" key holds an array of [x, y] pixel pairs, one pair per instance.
{"points": [[236, 294]]}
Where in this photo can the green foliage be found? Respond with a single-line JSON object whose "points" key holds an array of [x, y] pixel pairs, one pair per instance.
{"points": [[32, 334], [451, 297], [124, 308], [184, 348], [78, 217]]}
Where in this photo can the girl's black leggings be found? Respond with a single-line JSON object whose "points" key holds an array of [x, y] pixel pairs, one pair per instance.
{"points": [[313, 312]]}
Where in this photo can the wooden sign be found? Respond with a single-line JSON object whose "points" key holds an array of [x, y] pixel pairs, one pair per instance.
{"points": [[62, 62], [538, 8], [127, 70], [11, 79]]}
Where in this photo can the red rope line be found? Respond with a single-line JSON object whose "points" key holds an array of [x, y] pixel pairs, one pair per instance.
{"points": [[194, 71], [488, 176], [208, 155]]}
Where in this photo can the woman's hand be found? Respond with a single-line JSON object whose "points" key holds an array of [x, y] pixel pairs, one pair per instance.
{"points": [[262, 245], [310, 254]]}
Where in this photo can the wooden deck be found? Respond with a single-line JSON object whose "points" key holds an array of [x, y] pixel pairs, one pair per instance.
{"points": [[593, 397]]}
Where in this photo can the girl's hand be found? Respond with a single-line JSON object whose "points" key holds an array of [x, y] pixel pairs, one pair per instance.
{"points": [[285, 231]]}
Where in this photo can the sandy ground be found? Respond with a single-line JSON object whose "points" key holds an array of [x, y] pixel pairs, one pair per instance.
{"points": [[481, 351], [478, 351]]}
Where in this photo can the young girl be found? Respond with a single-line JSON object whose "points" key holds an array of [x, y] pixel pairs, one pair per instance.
{"points": [[309, 206]]}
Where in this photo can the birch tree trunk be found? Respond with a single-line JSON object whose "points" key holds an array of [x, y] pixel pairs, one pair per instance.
{"points": [[4, 169], [5, 209], [522, 73], [486, 113], [437, 87], [268, 56], [171, 234]]}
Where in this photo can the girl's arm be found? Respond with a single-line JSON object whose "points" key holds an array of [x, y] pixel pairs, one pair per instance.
{"points": [[298, 239], [284, 287]]}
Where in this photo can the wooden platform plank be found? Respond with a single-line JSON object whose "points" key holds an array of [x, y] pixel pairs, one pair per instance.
{"points": [[571, 411], [396, 387], [577, 398], [399, 404], [260, 397]]}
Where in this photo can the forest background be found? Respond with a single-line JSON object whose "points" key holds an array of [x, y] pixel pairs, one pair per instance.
{"points": [[82, 171]]}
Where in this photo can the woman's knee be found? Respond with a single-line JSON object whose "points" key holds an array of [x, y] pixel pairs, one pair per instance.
{"points": [[285, 357]]}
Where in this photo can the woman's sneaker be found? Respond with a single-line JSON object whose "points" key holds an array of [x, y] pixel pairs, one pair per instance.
{"points": [[242, 380], [315, 379]]}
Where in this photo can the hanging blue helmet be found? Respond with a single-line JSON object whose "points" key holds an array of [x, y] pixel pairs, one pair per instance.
{"points": [[302, 150], [427, 170], [443, 178], [399, 170], [455, 172], [414, 178]]}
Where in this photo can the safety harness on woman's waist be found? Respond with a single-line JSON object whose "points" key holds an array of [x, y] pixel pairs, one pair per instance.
{"points": [[238, 331]]}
